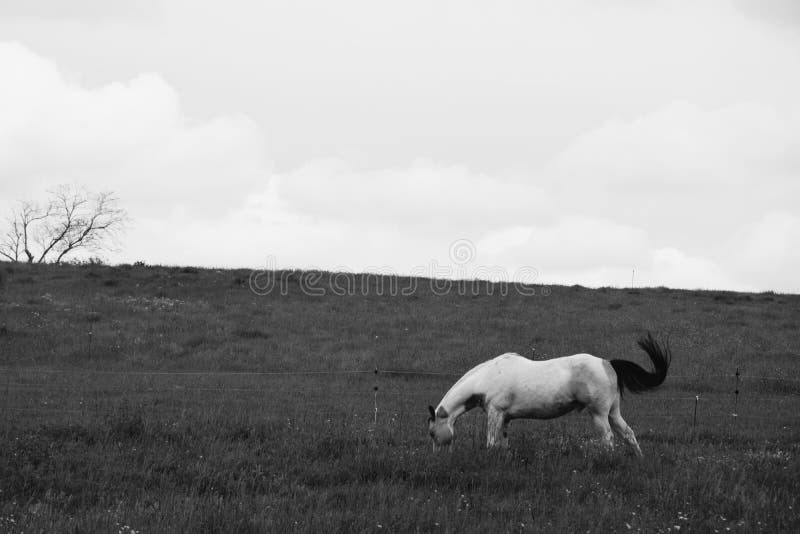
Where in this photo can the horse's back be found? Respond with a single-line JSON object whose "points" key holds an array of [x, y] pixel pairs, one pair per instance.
{"points": [[546, 387], [576, 364]]}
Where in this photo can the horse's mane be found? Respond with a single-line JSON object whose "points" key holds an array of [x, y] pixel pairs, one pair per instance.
{"points": [[471, 372]]}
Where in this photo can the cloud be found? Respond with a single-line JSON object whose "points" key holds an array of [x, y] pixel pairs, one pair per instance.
{"points": [[768, 251], [687, 174], [685, 195], [680, 145], [90, 10], [672, 267], [572, 243], [425, 196], [784, 13], [131, 137]]}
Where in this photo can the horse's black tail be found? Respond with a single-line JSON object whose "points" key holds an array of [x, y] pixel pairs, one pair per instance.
{"points": [[634, 378]]}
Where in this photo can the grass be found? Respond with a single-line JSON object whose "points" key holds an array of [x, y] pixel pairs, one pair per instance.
{"points": [[94, 440]]}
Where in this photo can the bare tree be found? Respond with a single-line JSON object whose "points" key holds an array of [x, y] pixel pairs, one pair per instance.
{"points": [[73, 220], [23, 224]]}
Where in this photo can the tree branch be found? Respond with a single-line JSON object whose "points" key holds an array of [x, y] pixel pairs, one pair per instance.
{"points": [[9, 247]]}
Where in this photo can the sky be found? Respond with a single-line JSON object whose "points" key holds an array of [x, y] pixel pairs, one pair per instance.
{"points": [[602, 143]]}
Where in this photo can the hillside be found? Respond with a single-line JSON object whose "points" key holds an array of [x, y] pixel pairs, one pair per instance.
{"points": [[172, 318], [168, 399]]}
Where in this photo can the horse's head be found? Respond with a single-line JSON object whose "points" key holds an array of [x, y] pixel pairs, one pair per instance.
{"points": [[439, 427]]}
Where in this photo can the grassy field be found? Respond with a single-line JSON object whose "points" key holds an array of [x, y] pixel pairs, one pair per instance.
{"points": [[157, 399]]}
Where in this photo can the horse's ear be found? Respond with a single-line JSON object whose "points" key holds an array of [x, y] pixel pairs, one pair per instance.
{"points": [[441, 412], [432, 412]]}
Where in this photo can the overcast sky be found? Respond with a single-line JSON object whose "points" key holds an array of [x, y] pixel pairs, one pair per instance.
{"points": [[582, 139]]}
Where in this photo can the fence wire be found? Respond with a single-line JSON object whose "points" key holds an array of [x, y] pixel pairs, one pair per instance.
{"points": [[306, 372], [33, 390]]}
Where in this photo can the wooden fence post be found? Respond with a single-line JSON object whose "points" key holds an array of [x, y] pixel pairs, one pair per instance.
{"points": [[8, 398], [375, 389]]}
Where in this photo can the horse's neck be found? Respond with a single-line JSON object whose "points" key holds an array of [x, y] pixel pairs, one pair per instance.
{"points": [[455, 401]]}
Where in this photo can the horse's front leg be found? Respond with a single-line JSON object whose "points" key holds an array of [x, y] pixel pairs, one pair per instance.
{"points": [[496, 428], [504, 439]]}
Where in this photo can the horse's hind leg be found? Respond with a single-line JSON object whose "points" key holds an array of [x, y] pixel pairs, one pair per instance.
{"points": [[600, 419], [622, 429]]}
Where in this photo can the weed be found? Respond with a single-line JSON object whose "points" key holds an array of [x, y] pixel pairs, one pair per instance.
{"points": [[251, 333]]}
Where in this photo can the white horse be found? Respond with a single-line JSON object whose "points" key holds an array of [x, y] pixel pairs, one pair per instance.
{"points": [[512, 387]]}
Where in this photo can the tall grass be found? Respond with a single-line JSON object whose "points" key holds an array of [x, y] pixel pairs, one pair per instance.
{"points": [[88, 446]]}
